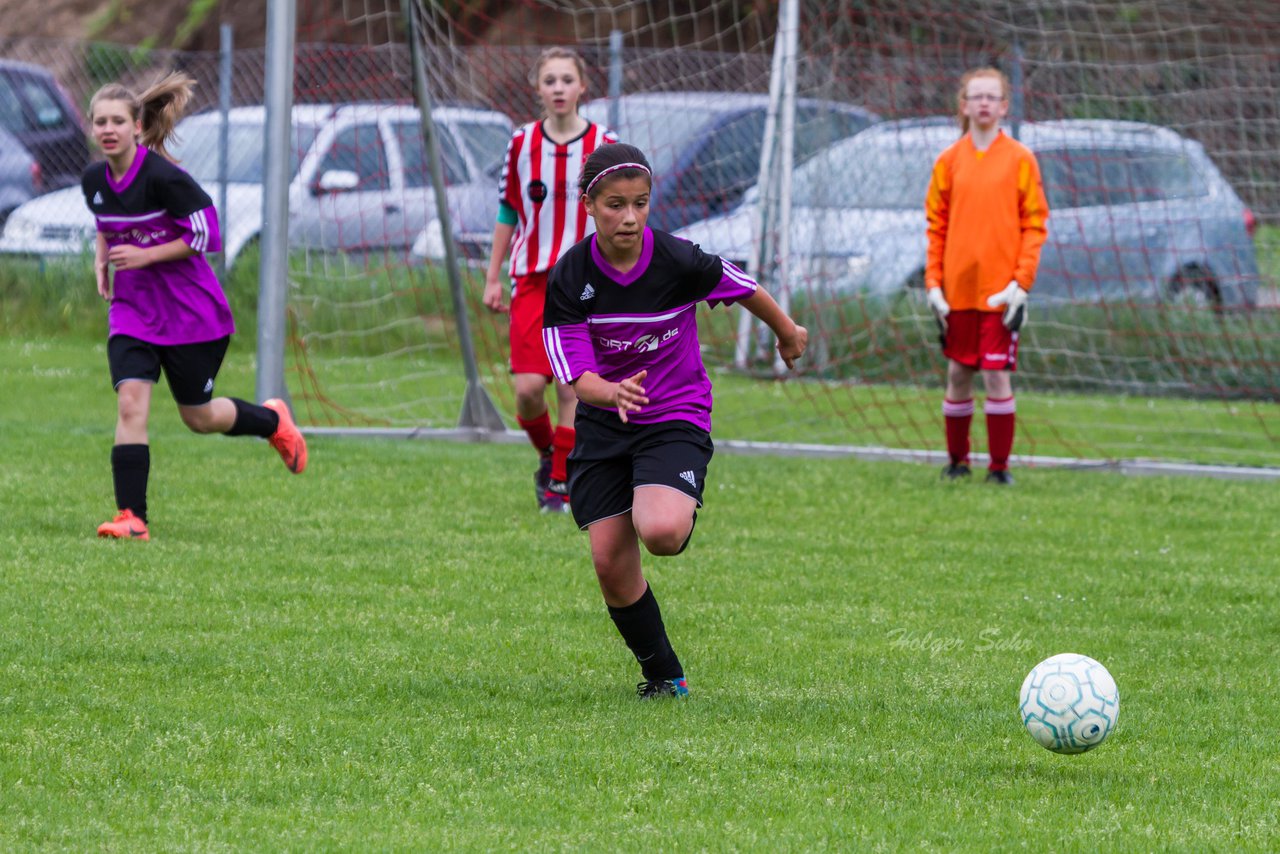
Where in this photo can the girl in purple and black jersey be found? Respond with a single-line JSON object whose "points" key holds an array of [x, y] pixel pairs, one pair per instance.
{"points": [[168, 313], [620, 325]]}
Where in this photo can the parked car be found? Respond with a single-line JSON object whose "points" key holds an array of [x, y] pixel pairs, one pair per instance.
{"points": [[19, 175], [38, 112], [1137, 212], [360, 180], [704, 147]]}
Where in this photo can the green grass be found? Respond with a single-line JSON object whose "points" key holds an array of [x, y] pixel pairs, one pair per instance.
{"points": [[1164, 383], [393, 651]]}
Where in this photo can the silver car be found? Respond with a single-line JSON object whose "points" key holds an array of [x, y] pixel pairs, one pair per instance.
{"points": [[359, 179], [1137, 212], [19, 174]]}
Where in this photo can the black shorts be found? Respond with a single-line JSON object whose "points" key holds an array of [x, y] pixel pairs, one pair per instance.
{"points": [[610, 459], [189, 368]]}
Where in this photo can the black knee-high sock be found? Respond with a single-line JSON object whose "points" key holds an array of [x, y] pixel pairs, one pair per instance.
{"points": [[640, 625], [130, 466], [253, 420]]}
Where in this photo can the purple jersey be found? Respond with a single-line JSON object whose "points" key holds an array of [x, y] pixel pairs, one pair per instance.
{"points": [[617, 324], [172, 302]]}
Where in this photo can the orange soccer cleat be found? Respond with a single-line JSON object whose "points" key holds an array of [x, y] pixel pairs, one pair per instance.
{"points": [[288, 439], [125, 526]]}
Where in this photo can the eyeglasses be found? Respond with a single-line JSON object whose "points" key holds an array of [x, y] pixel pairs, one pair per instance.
{"points": [[985, 97]]}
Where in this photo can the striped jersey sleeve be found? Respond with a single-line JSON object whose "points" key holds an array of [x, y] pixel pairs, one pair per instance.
{"points": [[566, 334], [191, 209]]}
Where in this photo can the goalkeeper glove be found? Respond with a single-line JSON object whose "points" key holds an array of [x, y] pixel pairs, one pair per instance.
{"points": [[938, 303], [1014, 300]]}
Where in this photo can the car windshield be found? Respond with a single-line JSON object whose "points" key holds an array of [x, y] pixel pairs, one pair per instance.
{"points": [[877, 171], [196, 149], [486, 140], [651, 128]]}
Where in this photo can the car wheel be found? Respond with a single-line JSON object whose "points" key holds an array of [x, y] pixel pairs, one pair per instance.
{"points": [[1195, 286]]}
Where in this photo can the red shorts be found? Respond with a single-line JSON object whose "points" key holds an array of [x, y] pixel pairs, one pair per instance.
{"points": [[528, 354], [978, 340]]}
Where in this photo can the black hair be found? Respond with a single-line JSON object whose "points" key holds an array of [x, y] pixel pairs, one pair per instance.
{"points": [[608, 157]]}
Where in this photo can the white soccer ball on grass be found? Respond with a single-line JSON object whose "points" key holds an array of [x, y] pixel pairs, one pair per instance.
{"points": [[1069, 703]]}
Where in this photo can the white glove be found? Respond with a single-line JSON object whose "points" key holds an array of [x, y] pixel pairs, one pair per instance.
{"points": [[1014, 299], [938, 303]]}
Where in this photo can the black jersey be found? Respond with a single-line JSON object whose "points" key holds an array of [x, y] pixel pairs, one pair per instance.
{"points": [[156, 202], [617, 324]]}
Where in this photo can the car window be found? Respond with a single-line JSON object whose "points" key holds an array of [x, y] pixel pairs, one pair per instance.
{"points": [[650, 127], [359, 149], [44, 104], [487, 141], [1165, 175], [196, 149], [730, 161], [417, 172], [1083, 177], [816, 129], [11, 114]]}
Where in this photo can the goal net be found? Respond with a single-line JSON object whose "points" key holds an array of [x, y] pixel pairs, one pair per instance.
{"points": [[1154, 330]]}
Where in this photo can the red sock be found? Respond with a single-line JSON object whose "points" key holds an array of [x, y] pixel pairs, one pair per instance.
{"points": [[958, 415], [560, 448], [539, 430], [1000, 418]]}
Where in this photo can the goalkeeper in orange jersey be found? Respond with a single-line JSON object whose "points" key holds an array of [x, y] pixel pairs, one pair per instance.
{"points": [[987, 211]]}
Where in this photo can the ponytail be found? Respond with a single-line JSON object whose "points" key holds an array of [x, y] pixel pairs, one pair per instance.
{"points": [[163, 104]]}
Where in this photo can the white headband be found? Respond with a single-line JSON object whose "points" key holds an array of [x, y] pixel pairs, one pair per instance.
{"points": [[603, 172]]}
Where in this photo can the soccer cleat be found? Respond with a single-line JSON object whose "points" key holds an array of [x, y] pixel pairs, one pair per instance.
{"points": [[288, 439], [678, 687], [955, 471], [556, 497], [1001, 477], [125, 526], [542, 477]]}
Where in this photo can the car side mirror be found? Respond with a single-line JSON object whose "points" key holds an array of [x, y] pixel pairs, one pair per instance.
{"points": [[336, 181]]}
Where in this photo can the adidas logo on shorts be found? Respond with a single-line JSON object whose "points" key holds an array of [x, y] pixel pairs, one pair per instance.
{"points": [[690, 477], [208, 386], [588, 292]]}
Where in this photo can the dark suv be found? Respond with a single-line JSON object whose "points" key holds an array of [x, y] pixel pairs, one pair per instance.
{"points": [[35, 109]]}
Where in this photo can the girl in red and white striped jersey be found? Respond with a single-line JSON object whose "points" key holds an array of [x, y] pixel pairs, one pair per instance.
{"points": [[540, 216]]}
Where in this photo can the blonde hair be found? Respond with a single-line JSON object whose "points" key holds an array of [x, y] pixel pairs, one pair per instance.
{"points": [[558, 53], [160, 106], [994, 73]]}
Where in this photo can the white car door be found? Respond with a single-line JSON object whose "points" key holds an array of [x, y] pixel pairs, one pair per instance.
{"points": [[353, 201]]}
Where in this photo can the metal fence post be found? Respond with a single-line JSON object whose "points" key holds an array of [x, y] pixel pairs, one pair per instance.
{"points": [[225, 49], [478, 410], [273, 270]]}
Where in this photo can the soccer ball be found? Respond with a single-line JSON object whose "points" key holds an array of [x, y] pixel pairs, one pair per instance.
{"points": [[1069, 703]]}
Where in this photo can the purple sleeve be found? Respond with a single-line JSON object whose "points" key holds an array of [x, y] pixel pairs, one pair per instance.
{"points": [[200, 230], [734, 285], [569, 351]]}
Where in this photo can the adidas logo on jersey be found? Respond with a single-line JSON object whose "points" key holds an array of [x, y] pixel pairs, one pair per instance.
{"points": [[689, 477], [97, 198], [588, 292]]}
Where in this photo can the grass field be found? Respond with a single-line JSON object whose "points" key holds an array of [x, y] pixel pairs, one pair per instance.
{"points": [[379, 352], [394, 652]]}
